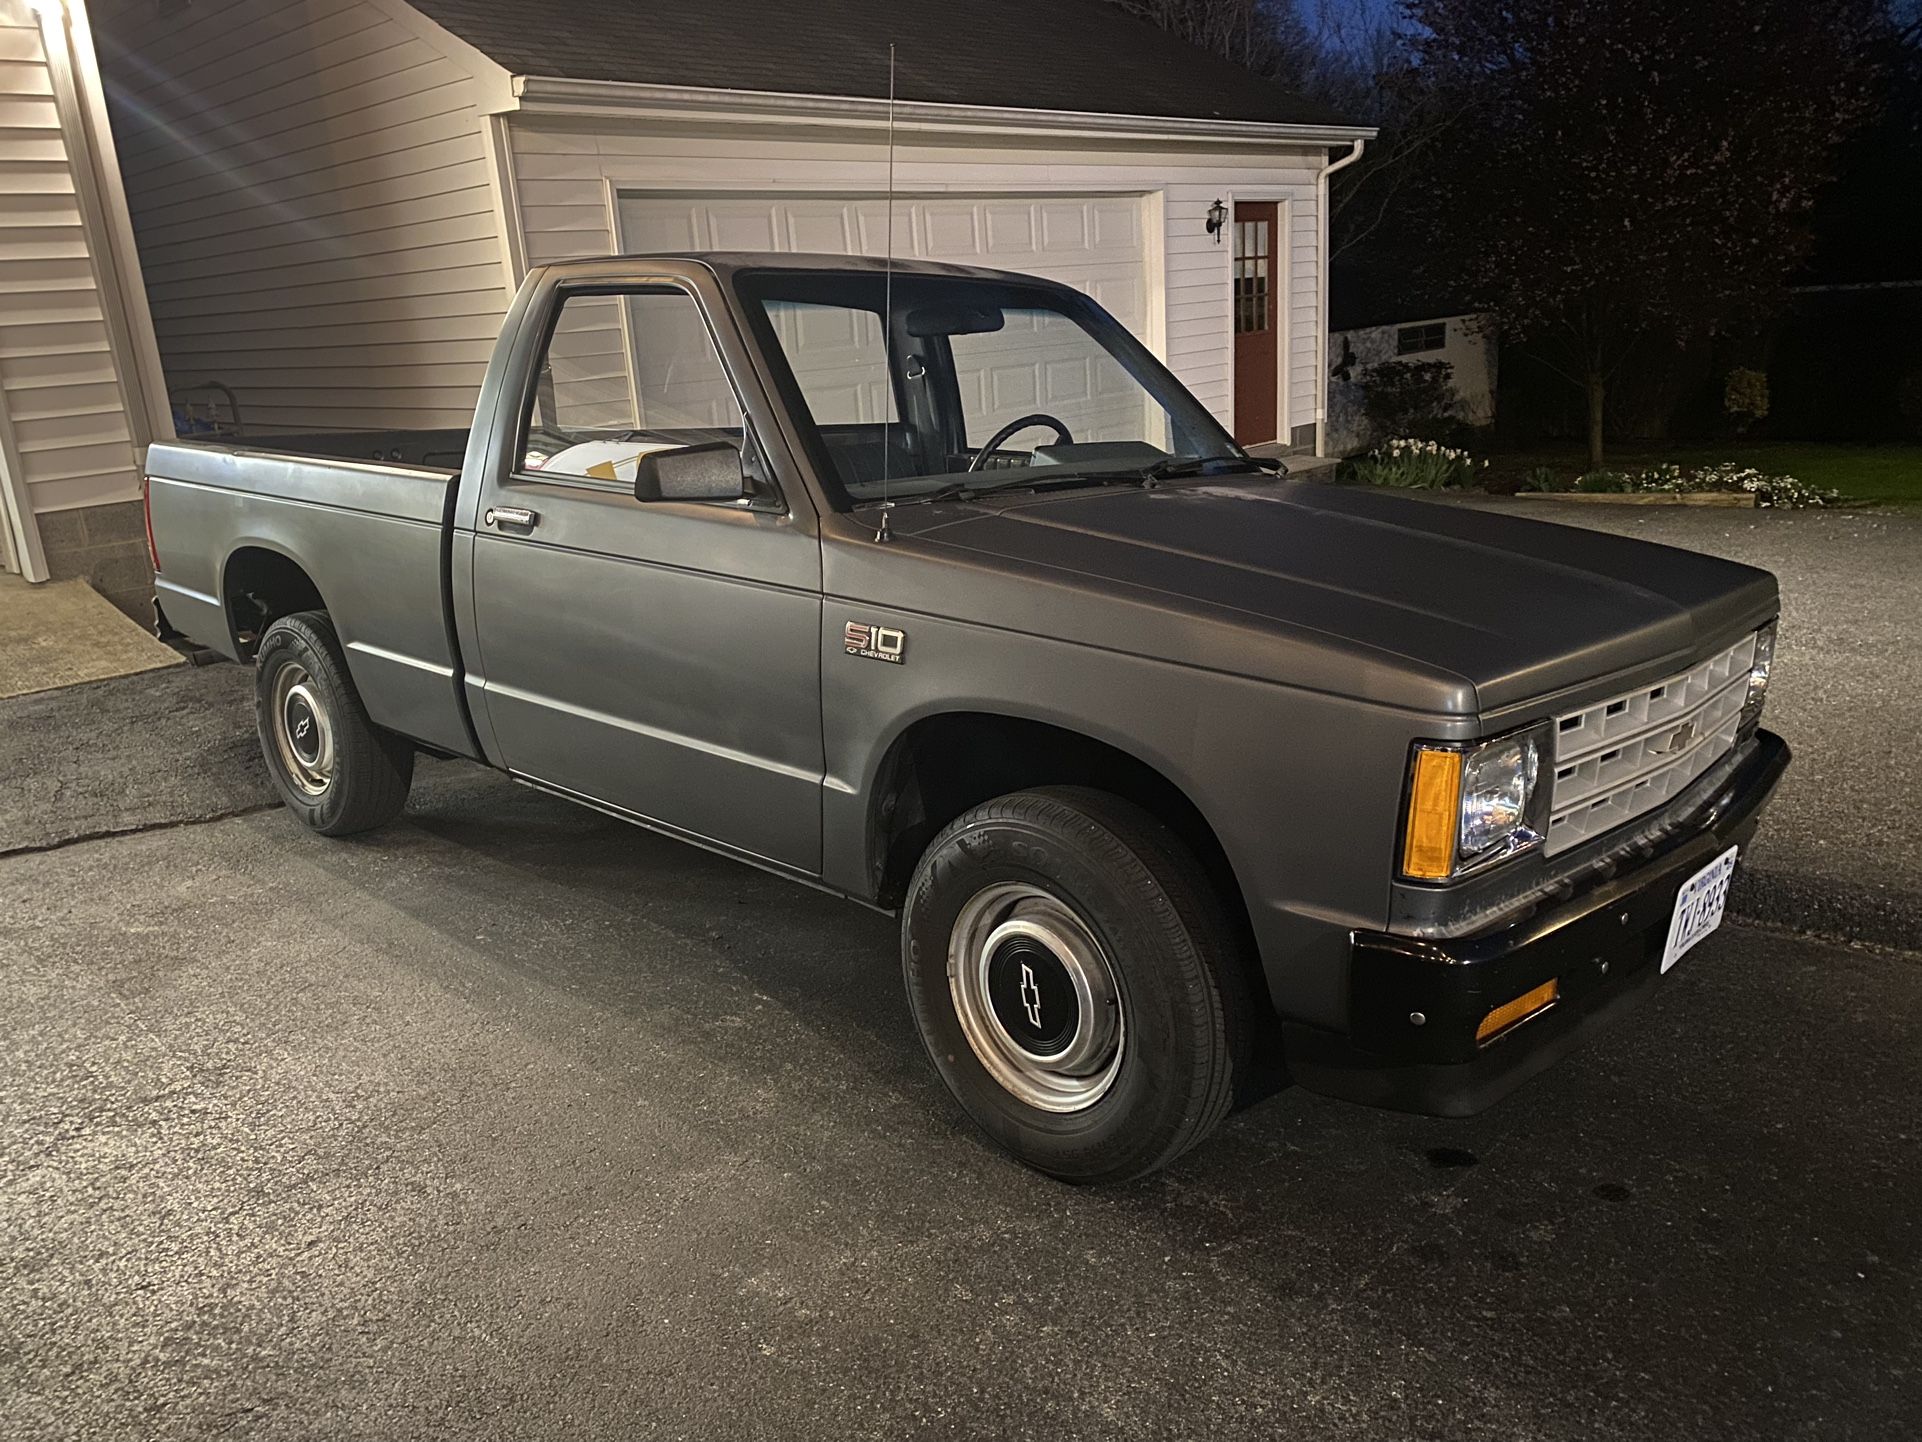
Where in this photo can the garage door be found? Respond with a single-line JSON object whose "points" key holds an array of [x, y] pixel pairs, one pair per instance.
{"points": [[1092, 242]]}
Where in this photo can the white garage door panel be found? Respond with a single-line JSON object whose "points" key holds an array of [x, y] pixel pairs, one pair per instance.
{"points": [[1093, 243]]}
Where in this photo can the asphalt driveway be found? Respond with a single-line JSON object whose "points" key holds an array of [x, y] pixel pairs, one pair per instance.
{"points": [[512, 1121]]}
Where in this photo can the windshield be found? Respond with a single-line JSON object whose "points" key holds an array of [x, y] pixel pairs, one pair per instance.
{"points": [[988, 385]]}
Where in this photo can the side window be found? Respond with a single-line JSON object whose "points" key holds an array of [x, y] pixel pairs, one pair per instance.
{"points": [[1413, 339], [626, 373]]}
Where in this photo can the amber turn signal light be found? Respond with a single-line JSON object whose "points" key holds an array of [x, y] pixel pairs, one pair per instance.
{"points": [[1434, 813], [1519, 1010]]}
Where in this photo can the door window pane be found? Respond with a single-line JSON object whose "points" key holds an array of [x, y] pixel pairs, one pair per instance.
{"points": [[1253, 266], [622, 375]]}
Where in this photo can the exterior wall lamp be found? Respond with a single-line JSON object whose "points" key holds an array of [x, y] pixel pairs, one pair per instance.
{"points": [[1217, 220]]}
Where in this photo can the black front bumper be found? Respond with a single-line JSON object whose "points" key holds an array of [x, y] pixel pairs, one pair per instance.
{"points": [[1603, 948]]}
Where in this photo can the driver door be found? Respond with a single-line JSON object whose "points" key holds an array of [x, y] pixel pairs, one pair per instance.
{"points": [[661, 657]]}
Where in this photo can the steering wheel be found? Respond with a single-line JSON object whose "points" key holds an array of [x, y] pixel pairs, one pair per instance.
{"points": [[1061, 434]]}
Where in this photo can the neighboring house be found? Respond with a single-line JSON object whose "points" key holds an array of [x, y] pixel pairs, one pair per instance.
{"points": [[1461, 341], [1381, 312], [333, 200]]}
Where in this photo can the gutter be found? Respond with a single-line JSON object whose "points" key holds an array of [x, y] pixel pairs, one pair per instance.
{"points": [[1358, 144], [552, 95]]}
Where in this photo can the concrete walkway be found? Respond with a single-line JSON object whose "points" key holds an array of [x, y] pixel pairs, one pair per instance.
{"points": [[63, 633]]}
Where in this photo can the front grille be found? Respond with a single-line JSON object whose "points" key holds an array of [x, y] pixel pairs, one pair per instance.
{"points": [[1623, 757]]}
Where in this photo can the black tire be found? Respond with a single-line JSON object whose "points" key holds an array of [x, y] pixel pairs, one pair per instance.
{"points": [[1183, 997], [359, 774]]}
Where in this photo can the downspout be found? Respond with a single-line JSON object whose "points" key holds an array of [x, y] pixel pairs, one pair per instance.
{"points": [[1321, 315]]}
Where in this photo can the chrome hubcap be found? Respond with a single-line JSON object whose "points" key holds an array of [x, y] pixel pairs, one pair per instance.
{"points": [[303, 734], [1036, 997]]}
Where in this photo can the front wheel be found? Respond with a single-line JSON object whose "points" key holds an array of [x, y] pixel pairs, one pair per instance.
{"points": [[336, 770], [1076, 982]]}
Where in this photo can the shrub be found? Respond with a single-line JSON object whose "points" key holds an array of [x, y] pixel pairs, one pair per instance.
{"points": [[1597, 483], [1404, 397], [1542, 478], [1414, 464], [1908, 400], [1745, 397]]}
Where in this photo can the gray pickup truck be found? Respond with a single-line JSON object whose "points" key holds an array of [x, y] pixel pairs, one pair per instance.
{"points": [[930, 586]]}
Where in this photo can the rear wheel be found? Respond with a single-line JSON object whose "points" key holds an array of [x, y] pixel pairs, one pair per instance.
{"points": [[1075, 980], [336, 770]]}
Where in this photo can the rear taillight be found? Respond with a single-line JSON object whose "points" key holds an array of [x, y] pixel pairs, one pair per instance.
{"points": [[146, 508]]}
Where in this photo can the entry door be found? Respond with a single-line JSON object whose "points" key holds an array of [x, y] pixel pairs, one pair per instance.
{"points": [[661, 656], [1257, 322]]}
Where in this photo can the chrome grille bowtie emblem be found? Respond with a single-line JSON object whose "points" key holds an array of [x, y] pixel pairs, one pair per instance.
{"points": [[1679, 739]]}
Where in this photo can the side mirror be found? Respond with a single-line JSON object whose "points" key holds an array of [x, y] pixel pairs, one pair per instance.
{"points": [[710, 472]]}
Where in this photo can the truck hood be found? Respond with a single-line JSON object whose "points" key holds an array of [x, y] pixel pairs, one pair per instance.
{"points": [[1413, 602]]}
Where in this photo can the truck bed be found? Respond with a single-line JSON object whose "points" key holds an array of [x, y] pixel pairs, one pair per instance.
{"points": [[371, 533]]}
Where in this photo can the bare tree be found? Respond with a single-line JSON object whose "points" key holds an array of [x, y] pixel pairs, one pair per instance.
{"points": [[1636, 170], [1416, 123], [1265, 36]]}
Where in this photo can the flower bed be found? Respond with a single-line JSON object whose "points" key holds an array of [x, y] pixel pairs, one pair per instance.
{"points": [[1728, 478], [1413, 464]]}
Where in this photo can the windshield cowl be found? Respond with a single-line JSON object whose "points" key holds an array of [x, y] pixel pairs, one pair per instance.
{"points": [[1212, 468]]}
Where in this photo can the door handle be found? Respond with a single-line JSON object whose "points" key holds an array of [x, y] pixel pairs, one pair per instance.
{"points": [[519, 517]]}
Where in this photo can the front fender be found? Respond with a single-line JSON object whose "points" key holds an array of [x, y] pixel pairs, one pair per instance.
{"points": [[1302, 789]]}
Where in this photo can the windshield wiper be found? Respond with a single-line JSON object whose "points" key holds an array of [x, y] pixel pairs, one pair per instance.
{"points": [[972, 490], [1146, 477], [1176, 467]]}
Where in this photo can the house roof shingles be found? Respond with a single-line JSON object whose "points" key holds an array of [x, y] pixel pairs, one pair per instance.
{"points": [[1070, 55]]}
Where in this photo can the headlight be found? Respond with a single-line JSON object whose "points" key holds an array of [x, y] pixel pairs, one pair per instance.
{"points": [[1469, 806], [1758, 676], [1498, 782]]}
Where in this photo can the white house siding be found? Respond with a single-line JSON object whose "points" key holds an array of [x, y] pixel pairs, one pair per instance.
{"points": [[569, 176], [314, 207], [66, 437]]}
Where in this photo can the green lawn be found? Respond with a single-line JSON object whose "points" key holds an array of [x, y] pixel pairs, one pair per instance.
{"points": [[1888, 474]]}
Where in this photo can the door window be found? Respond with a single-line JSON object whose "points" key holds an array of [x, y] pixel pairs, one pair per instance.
{"points": [[624, 374], [1253, 253]]}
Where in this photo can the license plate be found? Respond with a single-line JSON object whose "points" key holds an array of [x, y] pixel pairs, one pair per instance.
{"points": [[1699, 906]]}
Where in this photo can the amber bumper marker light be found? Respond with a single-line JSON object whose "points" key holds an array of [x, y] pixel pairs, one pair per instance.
{"points": [[1434, 813], [1519, 1010]]}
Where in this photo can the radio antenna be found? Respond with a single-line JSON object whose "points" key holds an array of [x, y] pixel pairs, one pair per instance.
{"points": [[887, 323]]}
